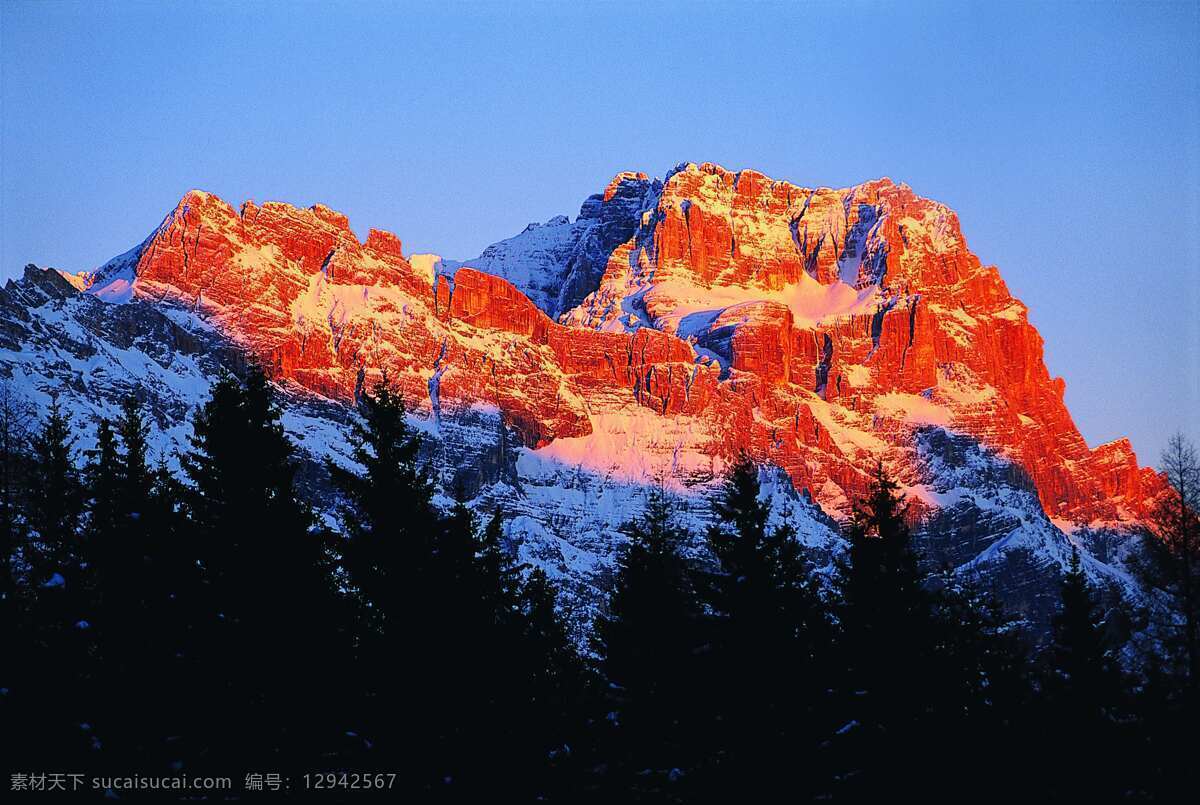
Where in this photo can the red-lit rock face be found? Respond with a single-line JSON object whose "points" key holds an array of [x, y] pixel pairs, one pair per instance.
{"points": [[814, 328]]}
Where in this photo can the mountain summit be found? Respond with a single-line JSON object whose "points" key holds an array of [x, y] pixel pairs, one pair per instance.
{"points": [[673, 324]]}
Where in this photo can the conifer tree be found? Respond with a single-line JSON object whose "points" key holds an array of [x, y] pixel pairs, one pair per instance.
{"points": [[55, 499], [273, 642], [439, 588], [554, 693], [979, 687], [882, 570], [539, 698], [386, 511], [503, 593], [111, 586], [56, 651], [15, 420], [1082, 667], [510, 721], [102, 479], [888, 641], [771, 638], [390, 529], [454, 558], [176, 612], [130, 545], [1171, 564], [100, 547], [488, 616], [458, 636], [557, 679], [649, 641], [137, 479], [1083, 689]]}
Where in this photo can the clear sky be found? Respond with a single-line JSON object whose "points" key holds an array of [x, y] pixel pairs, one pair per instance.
{"points": [[1067, 136]]}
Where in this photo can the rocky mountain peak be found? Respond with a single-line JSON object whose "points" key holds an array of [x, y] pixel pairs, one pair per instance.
{"points": [[672, 325]]}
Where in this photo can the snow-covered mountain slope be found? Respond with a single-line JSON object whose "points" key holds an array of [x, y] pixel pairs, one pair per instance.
{"points": [[558, 263], [672, 325]]}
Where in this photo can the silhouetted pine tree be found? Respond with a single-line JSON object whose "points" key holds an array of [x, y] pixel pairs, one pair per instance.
{"points": [[113, 542], [100, 536], [889, 638], [176, 615], [272, 646], [1168, 699], [771, 638], [1082, 693], [141, 578], [55, 500], [502, 591], [542, 692], [102, 479], [649, 642], [467, 711], [391, 529], [555, 689], [55, 647], [386, 512], [1083, 671], [501, 670], [136, 475], [16, 420], [461, 710], [1171, 564], [982, 691]]}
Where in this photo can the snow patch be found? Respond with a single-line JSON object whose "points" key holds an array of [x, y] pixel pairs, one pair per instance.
{"points": [[912, 409]]}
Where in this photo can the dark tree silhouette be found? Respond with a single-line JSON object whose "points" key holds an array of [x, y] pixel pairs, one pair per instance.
{"points": [[16, 422], [486, 668], [889, 637], [1083, 673], [771, 639], [142, 577], [649, 640], [54, 654], [387, 511], [1172, 563], [390, 532], [1082, 692], [1169, 700], [102, 475], [56, 503], [271, 636]]}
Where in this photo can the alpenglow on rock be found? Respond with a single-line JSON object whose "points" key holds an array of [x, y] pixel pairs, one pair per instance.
{"points": [[673, 324]]}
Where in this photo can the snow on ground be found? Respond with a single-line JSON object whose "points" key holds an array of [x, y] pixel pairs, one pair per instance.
{"points": [[912, 409], [426, 265], [635, 444], [857, 375], [681, 307]]}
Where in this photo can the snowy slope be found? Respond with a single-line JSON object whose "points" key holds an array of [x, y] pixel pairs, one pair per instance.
{"points": [[558, 263]]}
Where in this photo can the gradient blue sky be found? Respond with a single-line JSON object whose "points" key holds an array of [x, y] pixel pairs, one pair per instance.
{"points": [[1067, 136]]}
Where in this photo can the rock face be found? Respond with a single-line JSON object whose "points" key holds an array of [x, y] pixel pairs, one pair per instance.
{"points": [[869, 299], [813, 328], [674, 323]]}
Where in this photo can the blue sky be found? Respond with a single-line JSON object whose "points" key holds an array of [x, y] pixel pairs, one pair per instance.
{"points": [[1067, 136]]}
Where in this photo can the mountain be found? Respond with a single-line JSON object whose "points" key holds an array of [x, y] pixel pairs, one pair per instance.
{"points": [[672, 324]]}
